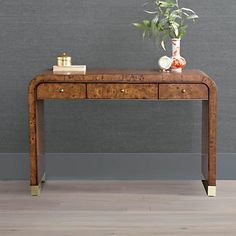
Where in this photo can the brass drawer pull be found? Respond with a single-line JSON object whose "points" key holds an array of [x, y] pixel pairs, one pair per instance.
{"points": [[124, 91], [61, 90], [183, 90]]}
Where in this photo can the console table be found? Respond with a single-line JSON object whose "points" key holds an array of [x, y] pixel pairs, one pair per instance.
{"points": [[123, 84]]}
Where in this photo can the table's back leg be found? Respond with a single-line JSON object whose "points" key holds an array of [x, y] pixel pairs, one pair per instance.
{"points": [[40, 139], [36, 146], [209, 144], [205, 140]]}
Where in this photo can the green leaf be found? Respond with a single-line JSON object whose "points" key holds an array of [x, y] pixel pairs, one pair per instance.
{"points": [[192, 17], [165, 4], [182, 34], [147, 23], [187, 9], [174, 16], [163, 39], [151, 12], [177, 3], [176, 28], [139, 25], [175, 23], [186, 14], [176, 13], [155, 19], [163, 45]]}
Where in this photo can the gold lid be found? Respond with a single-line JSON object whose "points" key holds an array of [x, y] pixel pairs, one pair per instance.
{"points": [[64, 55]]}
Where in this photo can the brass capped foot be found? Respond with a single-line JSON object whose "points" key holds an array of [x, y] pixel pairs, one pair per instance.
{"points": [[211, 191], [35, 190]]}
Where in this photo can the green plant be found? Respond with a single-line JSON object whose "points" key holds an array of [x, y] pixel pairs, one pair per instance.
{"points": [[169, 21]]}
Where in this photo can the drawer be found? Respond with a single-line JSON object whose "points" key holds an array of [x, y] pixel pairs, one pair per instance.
{"points": [[183, 91], [122, 91], [61, 91]]}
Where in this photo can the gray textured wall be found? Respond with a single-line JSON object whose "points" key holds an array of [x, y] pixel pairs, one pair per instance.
{"points": [[99, 33]]}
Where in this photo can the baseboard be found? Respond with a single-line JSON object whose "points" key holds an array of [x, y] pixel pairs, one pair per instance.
{"points": [[15, 166]]}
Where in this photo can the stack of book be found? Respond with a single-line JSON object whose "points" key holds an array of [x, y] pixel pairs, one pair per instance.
{"points": [[75, 69]]}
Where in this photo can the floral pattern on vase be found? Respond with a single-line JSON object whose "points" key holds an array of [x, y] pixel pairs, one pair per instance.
{"points": [[178, 62]]}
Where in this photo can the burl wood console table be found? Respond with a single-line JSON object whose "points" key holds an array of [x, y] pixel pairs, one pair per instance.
{"points": [[119, 84]]}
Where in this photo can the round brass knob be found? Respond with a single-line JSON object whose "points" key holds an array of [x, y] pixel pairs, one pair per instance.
{"points": [[61, 90], [122, 90], [183, 90]]}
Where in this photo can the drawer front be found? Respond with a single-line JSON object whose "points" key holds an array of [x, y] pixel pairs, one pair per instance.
{"points": [[61, 91], [122, 91], [183, 91]]}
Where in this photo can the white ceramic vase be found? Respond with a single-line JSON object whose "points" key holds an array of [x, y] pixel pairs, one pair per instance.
{"points": [[178, 62]]}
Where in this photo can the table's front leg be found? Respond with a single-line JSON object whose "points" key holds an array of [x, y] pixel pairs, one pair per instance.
{"points": [[37, 159], [209, 144]]}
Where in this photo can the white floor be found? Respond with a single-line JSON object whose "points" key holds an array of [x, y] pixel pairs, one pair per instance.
{"points": [[137, 208]]}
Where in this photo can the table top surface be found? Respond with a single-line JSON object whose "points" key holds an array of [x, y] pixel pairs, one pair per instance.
{"points": [[90, 72], [126, 76]]}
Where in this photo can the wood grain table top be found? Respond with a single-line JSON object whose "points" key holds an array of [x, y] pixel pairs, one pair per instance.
{"points": [[126, 76]]}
